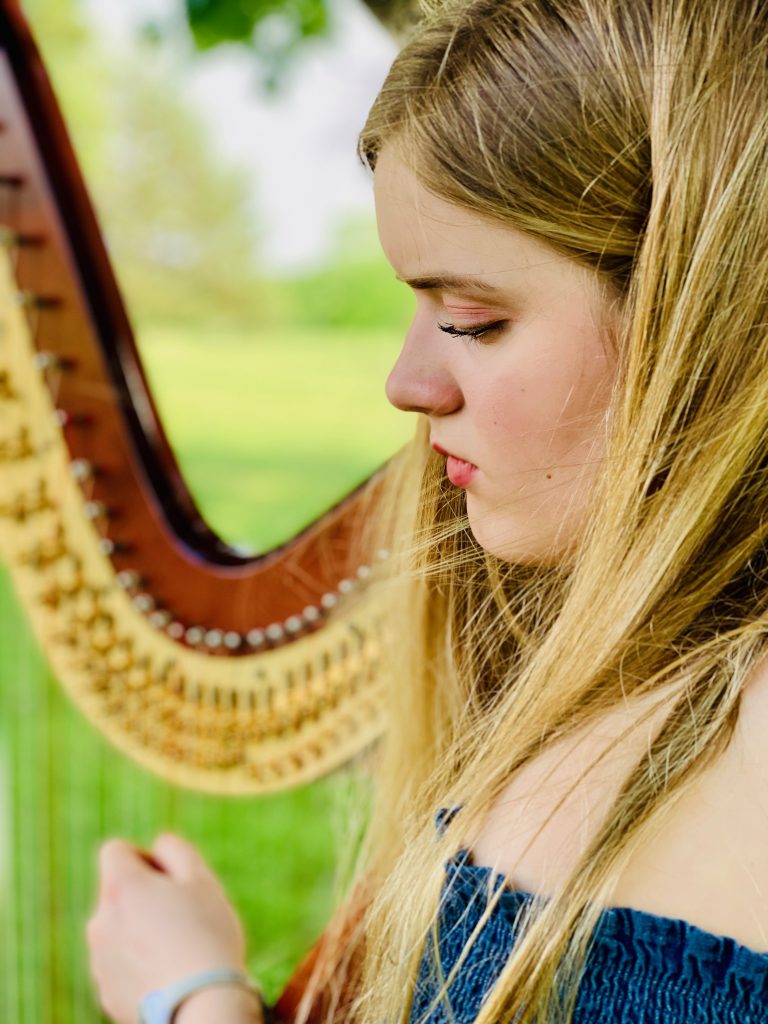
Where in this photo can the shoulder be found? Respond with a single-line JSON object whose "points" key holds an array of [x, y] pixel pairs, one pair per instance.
{"points": [[714, 838], [548, 813], [551, 809]]}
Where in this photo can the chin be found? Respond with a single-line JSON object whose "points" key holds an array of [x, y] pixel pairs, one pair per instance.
{"points": [[502, 536]]}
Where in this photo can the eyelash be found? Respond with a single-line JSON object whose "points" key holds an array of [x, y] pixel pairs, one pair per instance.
{"points": [[472, 333]]}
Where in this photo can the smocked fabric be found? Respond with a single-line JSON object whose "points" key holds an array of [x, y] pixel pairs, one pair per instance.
{"points": [[641, 969]]}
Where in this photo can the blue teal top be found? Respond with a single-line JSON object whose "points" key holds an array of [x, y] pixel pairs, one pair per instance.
{"points": [[642, 968]]}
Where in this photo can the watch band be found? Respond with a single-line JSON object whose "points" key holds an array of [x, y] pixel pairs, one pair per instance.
{"points": [[160, 1005]]}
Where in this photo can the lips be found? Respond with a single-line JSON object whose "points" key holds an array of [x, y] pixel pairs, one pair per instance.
{"points": [[451, 455], [459, 471]]}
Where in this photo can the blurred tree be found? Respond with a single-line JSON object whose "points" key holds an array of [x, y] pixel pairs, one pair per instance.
{"points": [[276, 29], [355, 288], [192, 251], [176, 214], [80, 73]]}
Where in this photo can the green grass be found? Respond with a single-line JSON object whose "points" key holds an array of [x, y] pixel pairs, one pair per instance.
{"points": [[269, 432]]}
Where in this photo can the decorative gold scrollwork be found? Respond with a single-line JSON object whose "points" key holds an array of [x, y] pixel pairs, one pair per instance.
{"points": [[253, 723]]}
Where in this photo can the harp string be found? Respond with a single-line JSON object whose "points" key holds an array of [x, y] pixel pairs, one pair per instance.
{"points": [[67, 787], [72, 790], [310, 705], [256, 724]]}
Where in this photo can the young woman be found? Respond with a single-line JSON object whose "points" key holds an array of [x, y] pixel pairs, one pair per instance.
{"points": [[577, 193]]}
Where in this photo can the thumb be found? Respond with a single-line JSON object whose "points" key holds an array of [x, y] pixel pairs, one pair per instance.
{"points": [[179, 857], [119, 861]]}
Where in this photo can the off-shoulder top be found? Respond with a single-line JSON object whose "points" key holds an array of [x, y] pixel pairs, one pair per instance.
{"points": [[641, 969]]}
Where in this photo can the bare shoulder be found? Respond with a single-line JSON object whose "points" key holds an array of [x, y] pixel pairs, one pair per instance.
{"points": [[552, 806], [713, 840]]}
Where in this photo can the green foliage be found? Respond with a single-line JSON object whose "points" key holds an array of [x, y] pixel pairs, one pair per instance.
{"points": [[81, 75], [175, 214], [274, 447], [65, 789], [274, 29], [355, 289], [262, 427], [180, 229], [177, 217], [345, 295], [214, 21]]}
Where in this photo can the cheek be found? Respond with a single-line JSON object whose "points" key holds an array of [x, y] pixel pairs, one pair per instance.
{"points": [[549, 399]]}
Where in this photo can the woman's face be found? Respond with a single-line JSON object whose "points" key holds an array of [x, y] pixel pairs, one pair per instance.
{"points": [[520, 403]]}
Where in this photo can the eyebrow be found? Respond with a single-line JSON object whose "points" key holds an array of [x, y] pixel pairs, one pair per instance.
{"points": [[453, 282]]}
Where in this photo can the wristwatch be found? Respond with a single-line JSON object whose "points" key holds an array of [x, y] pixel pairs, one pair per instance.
{"points": [[160, 1005]]}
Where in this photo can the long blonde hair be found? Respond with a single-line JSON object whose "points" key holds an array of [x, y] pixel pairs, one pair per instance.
{"points": [[632, 137]]}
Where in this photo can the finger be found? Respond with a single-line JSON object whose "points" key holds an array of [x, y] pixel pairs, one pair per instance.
{"points": [[179, 857], [151, 860], [92, 929], [119, 860]]}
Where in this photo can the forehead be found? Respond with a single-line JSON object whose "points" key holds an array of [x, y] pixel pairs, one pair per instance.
{"points": [[424, 235], [414, 223]]}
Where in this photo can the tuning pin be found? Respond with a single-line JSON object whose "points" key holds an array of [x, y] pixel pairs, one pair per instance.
{"points": [[82, 470], [95, 510], [175, 630], [31, 300], [128, 579], [144, 603], [46, 360], [232, 640], [213, 638], [255, 637], [275, 632]]}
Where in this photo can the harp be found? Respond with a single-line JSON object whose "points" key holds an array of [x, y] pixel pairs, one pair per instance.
{"points": [[221, 674]]}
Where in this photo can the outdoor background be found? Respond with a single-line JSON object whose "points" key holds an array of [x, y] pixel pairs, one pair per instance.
{"points": [[241, 228]]}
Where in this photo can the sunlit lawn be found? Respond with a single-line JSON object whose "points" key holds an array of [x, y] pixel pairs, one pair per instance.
{"points": [[274, 428], [270, 431]]}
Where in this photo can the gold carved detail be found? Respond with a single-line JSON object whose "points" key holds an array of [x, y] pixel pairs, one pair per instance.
{"points": [[222, 724]]}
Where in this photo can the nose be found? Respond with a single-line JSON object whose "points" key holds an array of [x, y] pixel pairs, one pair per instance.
{"points": [[421, 381]]}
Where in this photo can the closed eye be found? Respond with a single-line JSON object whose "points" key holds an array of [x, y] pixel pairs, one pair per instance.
{"points": [[471, 332]]}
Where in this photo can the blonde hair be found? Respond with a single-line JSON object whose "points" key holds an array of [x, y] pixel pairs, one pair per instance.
{"points": [[632, 137]]}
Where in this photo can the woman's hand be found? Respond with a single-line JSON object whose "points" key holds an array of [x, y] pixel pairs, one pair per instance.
{"points": [[159, 918]]}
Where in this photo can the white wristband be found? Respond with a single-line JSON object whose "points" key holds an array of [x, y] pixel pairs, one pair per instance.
{"points": [[160, 1006]]}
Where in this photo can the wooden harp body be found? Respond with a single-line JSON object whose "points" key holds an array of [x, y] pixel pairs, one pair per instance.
{"points": [[220, 673]]}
